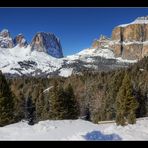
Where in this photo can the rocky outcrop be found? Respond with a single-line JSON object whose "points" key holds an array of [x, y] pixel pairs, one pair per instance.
{"points": [[129, 40], [5, 39], [47, 42], [102, 42], [20, 41]]}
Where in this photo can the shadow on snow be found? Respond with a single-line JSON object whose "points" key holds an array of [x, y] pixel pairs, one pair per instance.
{"points": [[98, 136]]}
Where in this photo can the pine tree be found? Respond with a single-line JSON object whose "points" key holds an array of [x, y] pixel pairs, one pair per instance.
{"points": [[71, 103], [120, 110], [19, 107], [63, 103], [40, 106], [30, 111], [56, 107], [131, 102], [6, 102], [126, 103], [111, 94]]}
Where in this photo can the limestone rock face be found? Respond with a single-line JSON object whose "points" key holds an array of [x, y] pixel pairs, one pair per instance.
{"points": [[47, 42], [132, 51], [145, 50], [130, 40], [133, 32], [117, 50], [117, 34]]}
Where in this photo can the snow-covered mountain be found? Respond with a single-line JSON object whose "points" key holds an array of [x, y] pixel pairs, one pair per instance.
{"points": [[44, 56], [42, 42], [18, 61]]}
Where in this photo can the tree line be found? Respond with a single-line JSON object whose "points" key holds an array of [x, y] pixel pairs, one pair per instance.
{"points": [[119, 95]]}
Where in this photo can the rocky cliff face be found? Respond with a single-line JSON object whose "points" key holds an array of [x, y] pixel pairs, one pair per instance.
{"points": [[20, 41], [130, 41], [47, 42], [5, 39]]}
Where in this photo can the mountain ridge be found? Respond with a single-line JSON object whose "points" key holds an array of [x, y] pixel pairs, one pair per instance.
{"points": [[44, 56], [42, 42]]}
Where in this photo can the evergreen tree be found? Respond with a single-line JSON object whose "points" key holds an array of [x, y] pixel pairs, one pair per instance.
{"points": [[131, 102], [62, 103], [6, 102], [120, 103], [71, 103], [126, 103], [40, 106], [56, 107], [111, 94], [30, 111], [19, 107]]}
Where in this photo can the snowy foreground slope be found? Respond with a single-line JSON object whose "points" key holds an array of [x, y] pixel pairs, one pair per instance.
{"points": [[75, 130]]}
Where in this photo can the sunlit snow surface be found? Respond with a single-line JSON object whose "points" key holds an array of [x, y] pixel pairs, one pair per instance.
{"points": [[75, 130]]}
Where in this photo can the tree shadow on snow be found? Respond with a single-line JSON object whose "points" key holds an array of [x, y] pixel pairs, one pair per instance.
{"points": [[98, 136]]}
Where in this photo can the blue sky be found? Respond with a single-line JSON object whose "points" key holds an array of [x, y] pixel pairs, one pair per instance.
{"points": [[76, 27]]}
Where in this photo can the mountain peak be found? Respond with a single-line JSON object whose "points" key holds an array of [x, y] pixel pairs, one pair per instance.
{"points": [[5, 39], [20, 40], [101, 42], [5, 30], [103, 37], [47, 42], [5, 33]]}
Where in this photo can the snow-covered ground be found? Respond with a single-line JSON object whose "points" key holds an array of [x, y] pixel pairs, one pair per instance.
{"points": [[75, 130]]}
